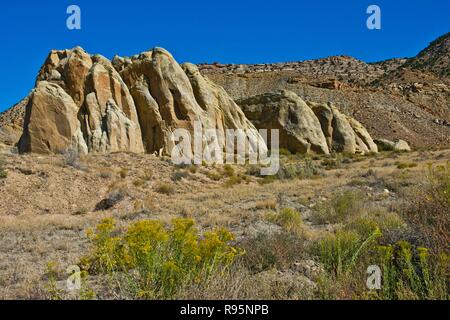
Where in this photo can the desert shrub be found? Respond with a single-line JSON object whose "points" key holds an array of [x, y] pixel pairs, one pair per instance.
{"points": [[342, 206], [123, 172], [253, 170], [334, 161], [289, 219], [71, 158], [151, 261], [339, 252], [148, 175], [427, 206], [287, 171], [165, 188], [377, 217], [228, 170], [412, 273], [405, 165], [104, 174], [304, 169], [284, 152], [234, 283], [193, 169], [214, 176], [113, 198], [233, 180], [309, 170], [51, 274], [272, 250], [3, 173], [179, 175]]}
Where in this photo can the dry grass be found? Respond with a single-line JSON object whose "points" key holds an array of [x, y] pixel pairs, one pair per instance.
{"points": [[46, 209]]}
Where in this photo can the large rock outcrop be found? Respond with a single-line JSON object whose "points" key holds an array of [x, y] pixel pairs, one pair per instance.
{"points": [[51, 122], [95, 105], [298, 126], [307, 126]]}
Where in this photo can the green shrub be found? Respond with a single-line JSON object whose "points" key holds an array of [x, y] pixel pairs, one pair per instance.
{"points": [[371, 219], [228, 170], [341, 207], [427, 206], [333, 162], [214, 176], [404, 165], [410, 273], [289, 219], [150, 261], [123, 172], [3, 173], [339, 252]]}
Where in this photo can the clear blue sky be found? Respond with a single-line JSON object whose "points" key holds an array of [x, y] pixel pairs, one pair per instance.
{"points": [[229, 31]]}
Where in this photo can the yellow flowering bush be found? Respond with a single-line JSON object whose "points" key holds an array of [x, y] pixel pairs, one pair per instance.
{"points": [[412, 273], [156, 261]]}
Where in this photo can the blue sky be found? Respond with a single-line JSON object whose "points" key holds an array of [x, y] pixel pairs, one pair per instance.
{"points": [[231, 31]]}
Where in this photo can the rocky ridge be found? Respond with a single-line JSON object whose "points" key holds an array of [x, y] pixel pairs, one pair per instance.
{"points": [[96, 106], [407, 98]]}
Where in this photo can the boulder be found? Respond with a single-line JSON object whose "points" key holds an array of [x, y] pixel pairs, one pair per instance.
{"points": [[397, 145], [51, 124], [300, 129], [343, 133], [307, 127]]}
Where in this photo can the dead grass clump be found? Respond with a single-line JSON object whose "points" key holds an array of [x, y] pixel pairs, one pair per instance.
{"points": [[165, 188], [71, 159], [105, 174], [269, 204]]}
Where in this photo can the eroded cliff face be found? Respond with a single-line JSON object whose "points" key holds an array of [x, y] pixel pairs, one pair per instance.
{"points": [[96, 106]]}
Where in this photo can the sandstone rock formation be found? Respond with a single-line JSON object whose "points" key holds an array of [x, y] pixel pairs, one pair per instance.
{"points": [[397, 145], [343, 133], [300, 130], [307, 127], [94, 105], [51, 122]]}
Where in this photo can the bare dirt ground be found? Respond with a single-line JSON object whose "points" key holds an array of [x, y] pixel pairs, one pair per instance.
{"points": [[47, 203]]}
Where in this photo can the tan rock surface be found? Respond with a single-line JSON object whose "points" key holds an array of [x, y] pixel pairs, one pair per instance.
{"points": [[307, 127]]}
